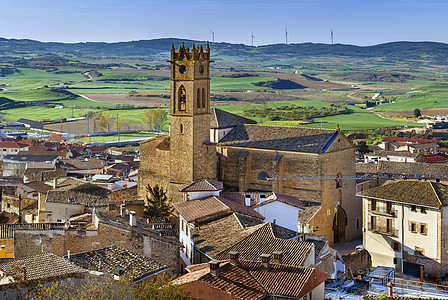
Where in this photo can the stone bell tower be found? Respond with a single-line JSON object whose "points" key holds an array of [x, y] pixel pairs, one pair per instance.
{"points": [[190, 115]]}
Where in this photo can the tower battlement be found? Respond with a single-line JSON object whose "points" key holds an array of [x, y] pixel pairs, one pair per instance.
{"points": [[195, 53]]}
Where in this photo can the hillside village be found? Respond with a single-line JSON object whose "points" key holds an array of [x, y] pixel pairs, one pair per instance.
{"points": [[252, 211]]}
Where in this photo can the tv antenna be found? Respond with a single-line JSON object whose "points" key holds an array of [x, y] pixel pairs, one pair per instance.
{"points": [[332, 37], [252, 36], [286, 36], [213, 36]]}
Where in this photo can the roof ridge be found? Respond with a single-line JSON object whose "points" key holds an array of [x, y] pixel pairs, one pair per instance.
{"points": [[300, 127], [435, 192]]}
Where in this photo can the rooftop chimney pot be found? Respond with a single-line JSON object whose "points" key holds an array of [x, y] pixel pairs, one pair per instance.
{"points": [[265, 261], [214, 267], [133, 218], [247, 200], [234, 255], [278, 257]]}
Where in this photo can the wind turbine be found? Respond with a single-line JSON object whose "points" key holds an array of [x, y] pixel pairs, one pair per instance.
{"points": [[213, 36], [286, 36], [252, 36], [332, 36]]}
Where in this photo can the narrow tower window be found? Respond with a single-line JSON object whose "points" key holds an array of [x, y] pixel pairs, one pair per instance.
{"points": [[199, 98], [181, 128], [203, 97], [182, 98]]}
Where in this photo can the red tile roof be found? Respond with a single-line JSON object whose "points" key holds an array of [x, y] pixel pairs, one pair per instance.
{"points": [[435, 158], [201, 186], [8, 144], [211, 206], [249, 280]]}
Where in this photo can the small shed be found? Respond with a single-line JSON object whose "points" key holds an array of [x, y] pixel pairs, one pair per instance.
{"points": [[382, 275]]}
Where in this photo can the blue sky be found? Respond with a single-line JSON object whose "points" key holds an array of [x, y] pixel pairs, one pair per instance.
{"points": [[360, 22]]}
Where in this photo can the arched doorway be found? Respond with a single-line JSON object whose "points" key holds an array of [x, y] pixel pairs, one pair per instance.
{"points": [[339, 223]]}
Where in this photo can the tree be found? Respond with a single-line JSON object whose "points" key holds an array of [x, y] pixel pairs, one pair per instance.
{"points": [[155, 118], [417, 113], [362, 147], [104, 120], [104, 287], [157, 203]]}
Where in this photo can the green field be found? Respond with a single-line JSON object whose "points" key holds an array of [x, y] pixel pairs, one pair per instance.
{"points": [[416, 100], [39, 113], [29, 79]]}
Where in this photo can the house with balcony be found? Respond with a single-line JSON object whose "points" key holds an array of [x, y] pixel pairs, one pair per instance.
{"points": [[405, 226]]}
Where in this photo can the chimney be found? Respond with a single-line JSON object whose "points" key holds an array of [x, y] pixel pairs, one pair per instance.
{"points": [[133, 219], [82, 229], [278, 257], [262, 198], [247, 202], [265, 261], [234, 255], [68, 255], [122, 210], [23, 272], [214, 267], [55, 183]]}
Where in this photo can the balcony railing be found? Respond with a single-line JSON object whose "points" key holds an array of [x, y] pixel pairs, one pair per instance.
{"points": [[383, 210], [383, 229]]}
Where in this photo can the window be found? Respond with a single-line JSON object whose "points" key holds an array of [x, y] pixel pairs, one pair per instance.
{"points": [[373, 204], [423, 210], [203, 97], [423, 228], [198, 99], [389, 225], [186, 251], [389, 208], [413, 227], [181, 128], [357, 223], [396, 246], [413, 208], [373, 222], [186, 230], [419, 251], [263, 175], [338, 180], [182, 100], [183, 225]]}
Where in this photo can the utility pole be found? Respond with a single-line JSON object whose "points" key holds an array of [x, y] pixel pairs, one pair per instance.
{"points": [[88, 124], [61, 124]]}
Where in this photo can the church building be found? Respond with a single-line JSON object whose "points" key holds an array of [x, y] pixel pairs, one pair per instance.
{"points": [[208, 143]]}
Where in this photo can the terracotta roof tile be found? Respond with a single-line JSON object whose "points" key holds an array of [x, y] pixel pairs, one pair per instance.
{"points": [[297, 139], [240, 197], [201, 186], [223, 119], [135, 265], [211, 206], [39, 186], [424, 193], [41, 266], [249, 280], [263, 240]]}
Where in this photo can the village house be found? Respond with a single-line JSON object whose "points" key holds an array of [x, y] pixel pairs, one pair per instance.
{"points": [[11, 148], [405, 226], [89, 232], [237, 278], [206, 143], [118, 262]]}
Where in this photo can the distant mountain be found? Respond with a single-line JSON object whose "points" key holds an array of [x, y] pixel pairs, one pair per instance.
{"points": [[406, 51]]}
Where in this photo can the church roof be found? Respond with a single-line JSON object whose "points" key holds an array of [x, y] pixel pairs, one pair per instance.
{"points": [[223, 119], [201, 186], [297, 139], [240, 198]]}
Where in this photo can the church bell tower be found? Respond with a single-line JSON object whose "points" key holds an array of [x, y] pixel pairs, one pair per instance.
{"points": [[190, 114]]}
